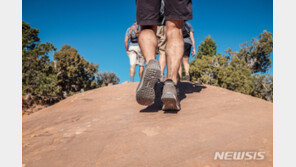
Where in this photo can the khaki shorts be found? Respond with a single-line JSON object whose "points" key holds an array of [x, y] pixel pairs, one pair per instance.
{"points": [[161, 39], [135, 56]]}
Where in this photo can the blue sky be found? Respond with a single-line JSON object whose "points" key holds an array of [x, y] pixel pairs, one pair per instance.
{"points": [[97, 28]]}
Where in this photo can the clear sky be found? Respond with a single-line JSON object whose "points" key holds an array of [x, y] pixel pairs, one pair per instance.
{"points": [[96, 28]]}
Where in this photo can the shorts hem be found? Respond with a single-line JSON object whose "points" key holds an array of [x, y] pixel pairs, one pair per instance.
{"points": [[148, 22], [176, 17]]}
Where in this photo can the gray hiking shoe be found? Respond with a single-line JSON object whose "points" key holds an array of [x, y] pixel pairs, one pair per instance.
{"points": [[169, 97], [145, 92], [187, 77]]}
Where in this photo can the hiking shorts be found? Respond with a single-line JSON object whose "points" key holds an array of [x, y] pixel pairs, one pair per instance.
{"points": [[187, 49], [148, 11], [161, 40], [135, 56]]}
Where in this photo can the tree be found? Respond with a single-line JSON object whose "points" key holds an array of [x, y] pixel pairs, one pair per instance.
{"points": [[236, 76], [106, 78], [232, 71], [206, 65], [46, 82], [263, 87], [208, 47], [39, 82], [73, 71], [257, 53]]}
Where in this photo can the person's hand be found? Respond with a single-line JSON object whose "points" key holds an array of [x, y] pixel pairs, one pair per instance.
{"points": [[127, 52], [193, 52]]}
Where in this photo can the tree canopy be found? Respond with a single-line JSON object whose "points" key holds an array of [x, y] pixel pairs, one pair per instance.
{"points": [[38, 75], [257, 52], [106, 78], [73, 71], [238, 71], [206, 64], [46, 82]]}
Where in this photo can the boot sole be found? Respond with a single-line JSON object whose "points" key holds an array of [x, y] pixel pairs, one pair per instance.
{"points": [[145, 92], [170, 102]]}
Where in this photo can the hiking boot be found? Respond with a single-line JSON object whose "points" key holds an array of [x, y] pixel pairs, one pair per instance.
{"points": [[169, 97], [145, 92], [187, 77]]}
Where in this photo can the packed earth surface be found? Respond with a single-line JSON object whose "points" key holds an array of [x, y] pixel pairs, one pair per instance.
{"points": [[106, 127]]}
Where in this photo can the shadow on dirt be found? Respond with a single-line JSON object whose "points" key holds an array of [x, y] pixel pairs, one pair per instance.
{"points": [[184, 88]]}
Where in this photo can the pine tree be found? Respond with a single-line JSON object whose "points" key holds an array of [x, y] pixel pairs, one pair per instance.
{"points": [[236, 71], [236, 76], [206, 64], [257, 53], [208, 47], [263, 86], [38, 76], [73, 71], [106, 78]]}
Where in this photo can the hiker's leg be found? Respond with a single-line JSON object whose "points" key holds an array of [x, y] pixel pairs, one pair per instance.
{"points": [[148, 17], [176, 11], [174, 47], [186, 64], [145, 93], [174, 52], [148, 42], [141, 71], [161, 36], [132, 72], [162, 62], [133, 57], [187, 51], [148, 13], [180, 72], [140, 60]]}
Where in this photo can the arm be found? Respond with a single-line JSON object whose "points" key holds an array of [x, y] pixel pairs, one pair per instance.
{"points": [[126, 43], [193, 43]]}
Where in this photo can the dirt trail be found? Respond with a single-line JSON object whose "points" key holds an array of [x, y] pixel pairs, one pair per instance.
{"points": [[106, 127]]}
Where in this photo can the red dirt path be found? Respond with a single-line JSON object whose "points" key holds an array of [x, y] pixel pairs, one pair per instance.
{"points": [[106, 127]]}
